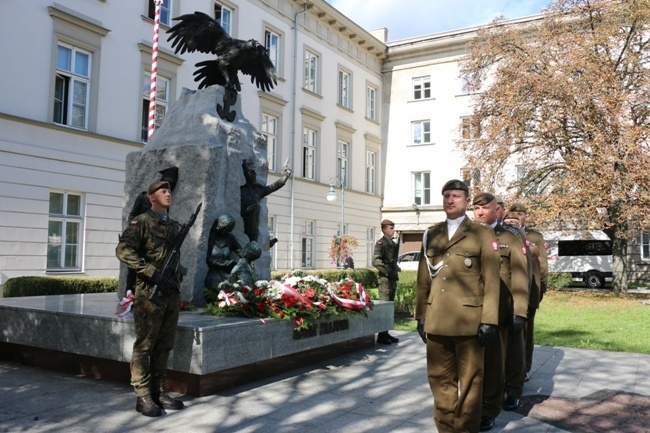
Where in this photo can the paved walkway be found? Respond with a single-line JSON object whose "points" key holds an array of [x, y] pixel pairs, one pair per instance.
{"points": [[381, 389]]}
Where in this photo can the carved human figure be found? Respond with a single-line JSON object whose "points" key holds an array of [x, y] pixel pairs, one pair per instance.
{"points": [[251, 195], [223, 251], [244, 270]]}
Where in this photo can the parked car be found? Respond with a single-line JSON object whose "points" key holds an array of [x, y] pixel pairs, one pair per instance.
{"points": [[409, 261]]}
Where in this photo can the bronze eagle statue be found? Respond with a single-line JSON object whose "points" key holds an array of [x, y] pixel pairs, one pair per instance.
{"points": [[200, 32]]}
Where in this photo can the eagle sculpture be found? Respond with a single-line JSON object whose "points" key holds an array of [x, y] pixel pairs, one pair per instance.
{"points": [[200, 32]]}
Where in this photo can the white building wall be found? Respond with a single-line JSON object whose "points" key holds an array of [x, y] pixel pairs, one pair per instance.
{"points": [[38, 156]]}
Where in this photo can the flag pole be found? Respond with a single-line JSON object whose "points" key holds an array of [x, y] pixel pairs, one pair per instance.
{"points": [[154, 70]]}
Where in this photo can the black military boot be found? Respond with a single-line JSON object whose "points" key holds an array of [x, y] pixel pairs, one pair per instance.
{"points": [[166, 401], [146, 406]]}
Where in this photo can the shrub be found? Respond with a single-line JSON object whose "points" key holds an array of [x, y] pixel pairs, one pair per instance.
{"points": [[37, 286], [405, 294], [558, 280]]}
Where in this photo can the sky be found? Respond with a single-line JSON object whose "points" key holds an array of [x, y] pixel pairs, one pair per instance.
{"points": [[411, 18]]}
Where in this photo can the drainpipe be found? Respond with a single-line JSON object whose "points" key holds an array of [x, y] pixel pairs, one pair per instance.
{"points": [[293, 128]]}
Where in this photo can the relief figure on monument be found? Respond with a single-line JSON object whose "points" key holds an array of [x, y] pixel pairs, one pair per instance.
{"points": [[244, 270], [223, 251], [251, 195]]}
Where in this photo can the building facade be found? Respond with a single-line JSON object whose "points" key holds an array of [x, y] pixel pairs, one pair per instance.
{"points": [[75, 103]]}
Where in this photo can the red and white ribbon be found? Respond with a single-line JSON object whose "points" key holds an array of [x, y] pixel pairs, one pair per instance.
{"points": [[154, 70], [288, 290], [353, 304], [125, 305]]}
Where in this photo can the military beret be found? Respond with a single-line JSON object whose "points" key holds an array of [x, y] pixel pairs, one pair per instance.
{"points": [[511, 216], [498, 199], [386, 222], [156, 186], [483, 198], [455, 184], [518, 207]]}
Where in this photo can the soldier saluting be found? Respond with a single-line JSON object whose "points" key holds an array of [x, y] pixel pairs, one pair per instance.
{"points": [[143, 247], [457, 308]]}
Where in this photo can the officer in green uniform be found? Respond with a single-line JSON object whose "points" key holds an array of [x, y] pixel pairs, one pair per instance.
{"points": [[513, 305], [384, 258], [143, 246], [534, 238], [457, 308]]}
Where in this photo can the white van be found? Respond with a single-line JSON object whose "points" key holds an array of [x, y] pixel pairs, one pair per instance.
{"points": [[586, 255]]}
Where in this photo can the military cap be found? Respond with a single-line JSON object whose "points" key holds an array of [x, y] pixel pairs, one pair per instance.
{"points": [[387, 222], [518, 207], [455, 184], [498, 199], [169, 174], [511, 216], [157, 185], [483, 198]]}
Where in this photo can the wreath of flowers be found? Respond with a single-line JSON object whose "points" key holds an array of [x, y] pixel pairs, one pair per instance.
{"points": [[341, 247], [305, 300]]}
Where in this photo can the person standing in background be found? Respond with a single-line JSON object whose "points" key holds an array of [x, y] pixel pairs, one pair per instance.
{"points": [[384, 258]]}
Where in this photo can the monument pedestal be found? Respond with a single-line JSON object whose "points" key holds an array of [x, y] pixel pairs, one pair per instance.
{"points": [[81, 334]]}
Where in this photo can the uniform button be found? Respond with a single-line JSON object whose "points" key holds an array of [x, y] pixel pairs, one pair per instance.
{"points": [[444, 278], [447, 254], [446, 266], [442, 290]]}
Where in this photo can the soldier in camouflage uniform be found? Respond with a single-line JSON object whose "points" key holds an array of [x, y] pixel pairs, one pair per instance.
{"points": [[143, 246], [384, 258]]}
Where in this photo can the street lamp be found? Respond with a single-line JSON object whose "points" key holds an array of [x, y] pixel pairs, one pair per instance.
{"points": [[331, 196]]}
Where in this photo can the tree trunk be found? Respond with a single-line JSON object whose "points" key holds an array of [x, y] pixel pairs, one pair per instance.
{"points": [[619, 265]]}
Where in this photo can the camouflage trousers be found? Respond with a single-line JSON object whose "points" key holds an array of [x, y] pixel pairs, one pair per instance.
{"points": [[387, 289], [155, 332]]}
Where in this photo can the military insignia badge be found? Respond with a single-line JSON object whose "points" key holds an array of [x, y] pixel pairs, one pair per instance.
{"points": [[523, 249], [468, 262], [495, 245]]}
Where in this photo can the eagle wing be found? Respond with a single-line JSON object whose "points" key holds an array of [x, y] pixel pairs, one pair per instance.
{"points": [[197, 32], [253, 60]]}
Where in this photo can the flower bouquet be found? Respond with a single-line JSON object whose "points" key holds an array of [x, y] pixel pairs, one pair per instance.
{"points": [[305, 300]]}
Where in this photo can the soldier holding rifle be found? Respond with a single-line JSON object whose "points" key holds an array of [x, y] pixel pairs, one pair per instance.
{"points": [[150, 246]]}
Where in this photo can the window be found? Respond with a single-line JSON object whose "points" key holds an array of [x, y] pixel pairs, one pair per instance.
{"points": [[64, 232], [422, 188], [422, 88], [309, 154], [469, 128], [370, 245], [71, 86], [311, 72], [471, 176], [644, 244], [165, 11], [371, 103], [421, 131], [223, 15], [272, 45], [307, 250], [345, 86], [342, 152], [162, 102], [371, 170], [270, 133]]}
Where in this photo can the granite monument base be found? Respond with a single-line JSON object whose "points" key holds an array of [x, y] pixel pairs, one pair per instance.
{"points": [[81, 334]]}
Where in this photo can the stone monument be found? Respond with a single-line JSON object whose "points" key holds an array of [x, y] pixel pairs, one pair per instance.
{"points": [[208, 152]]}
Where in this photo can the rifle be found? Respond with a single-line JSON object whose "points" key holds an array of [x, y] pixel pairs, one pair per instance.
{"points": [[172, 261]]}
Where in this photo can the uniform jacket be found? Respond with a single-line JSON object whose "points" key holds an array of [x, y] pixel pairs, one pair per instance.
{"points": [[384, 255], [513, 271], [535, 239], [145, 243], [465, 291]]}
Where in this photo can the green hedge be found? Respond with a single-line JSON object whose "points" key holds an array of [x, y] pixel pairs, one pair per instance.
{"points": [[405, 294], [558, 280], [37, 286]]}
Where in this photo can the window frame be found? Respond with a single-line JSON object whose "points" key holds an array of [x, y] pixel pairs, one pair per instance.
{"points": [[309, 147], [371, 103], [422, 89], [275, 55], [307, 245], [229, 28], [165, 11], [469, 129], [425, 132], [371, 172], [271, 138], [343, 162], [64, 102], [311, 83], [370, 245], [162, 103], [424, 191], [66, 219], [644, 246], [345, 88]]}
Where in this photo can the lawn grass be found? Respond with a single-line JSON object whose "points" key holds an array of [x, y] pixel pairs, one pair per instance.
{"points": [[588, 320]]}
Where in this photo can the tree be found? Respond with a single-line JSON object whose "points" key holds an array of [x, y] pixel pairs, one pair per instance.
{"points": [[566, 99]]}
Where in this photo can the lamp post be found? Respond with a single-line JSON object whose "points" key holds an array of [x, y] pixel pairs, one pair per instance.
{"points": [[331, 196]]}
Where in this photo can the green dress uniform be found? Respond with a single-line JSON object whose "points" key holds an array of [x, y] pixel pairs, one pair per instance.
{"points": [[143, 246], [535, 238], [513, 300], [384, 259], [462, 295]]}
